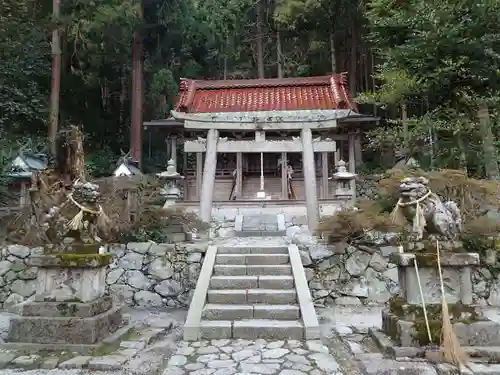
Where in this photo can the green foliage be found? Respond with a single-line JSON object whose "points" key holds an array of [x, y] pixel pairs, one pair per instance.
{"points": [[100, 163], [24, 66], [154, 224], [439, 59]]}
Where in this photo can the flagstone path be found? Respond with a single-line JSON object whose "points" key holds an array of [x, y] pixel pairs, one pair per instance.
{"points": [[245, 357]]}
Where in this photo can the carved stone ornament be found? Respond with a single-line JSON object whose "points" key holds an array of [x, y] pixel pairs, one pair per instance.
{"points": [[426, 211]]}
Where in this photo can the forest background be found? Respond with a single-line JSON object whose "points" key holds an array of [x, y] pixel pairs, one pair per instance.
{"points": [[430, 70]]}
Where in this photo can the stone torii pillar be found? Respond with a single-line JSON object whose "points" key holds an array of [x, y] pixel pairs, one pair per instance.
{"points": [[310, 179], [208, 184]]}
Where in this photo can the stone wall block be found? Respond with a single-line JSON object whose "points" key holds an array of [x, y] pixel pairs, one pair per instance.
{"points": [[143, 274]]}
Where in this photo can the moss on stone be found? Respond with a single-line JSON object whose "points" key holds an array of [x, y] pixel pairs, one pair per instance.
{"points": [[396, 305], [426, 260], [420, 331], [67, 309], [74, 260], [458, 311]]}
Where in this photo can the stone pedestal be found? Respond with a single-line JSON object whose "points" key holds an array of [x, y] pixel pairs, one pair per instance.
{"points": [[70, 306], [403, 321]]}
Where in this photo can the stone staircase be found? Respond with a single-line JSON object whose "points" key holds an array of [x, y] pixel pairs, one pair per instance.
{"points": [[252, 292], [252, 295]]}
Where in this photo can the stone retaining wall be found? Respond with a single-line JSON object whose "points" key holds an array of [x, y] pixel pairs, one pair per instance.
{"points": [[143, 274], [362, 274]]}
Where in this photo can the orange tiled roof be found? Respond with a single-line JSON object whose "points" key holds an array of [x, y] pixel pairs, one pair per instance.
{"points": [[273, 94]]}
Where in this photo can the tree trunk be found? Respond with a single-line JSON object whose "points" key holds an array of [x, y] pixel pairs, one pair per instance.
{"points": [[462, 153], [353, 59], [56, 78], [489, 151], [260, 39], [372, 73], [226, 49], [332, 52], [406, 133], [137, 95], [279, 52], [123, 93]]}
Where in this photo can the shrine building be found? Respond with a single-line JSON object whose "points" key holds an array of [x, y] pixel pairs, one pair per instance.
{"points": [[276, 140]]}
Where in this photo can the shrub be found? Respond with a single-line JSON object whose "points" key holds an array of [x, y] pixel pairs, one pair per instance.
{"points": [[474, 197], [352, 223], [153, 225], [481, 234]]}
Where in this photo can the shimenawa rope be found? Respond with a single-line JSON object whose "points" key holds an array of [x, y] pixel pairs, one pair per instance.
{"points": [[77, 222], [419, 221]]}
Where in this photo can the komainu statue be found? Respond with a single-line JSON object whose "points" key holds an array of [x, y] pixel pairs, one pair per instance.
{"points": [[418, 204]]}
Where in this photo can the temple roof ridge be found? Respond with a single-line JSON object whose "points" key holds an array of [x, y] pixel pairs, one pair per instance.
{"points": [[267, 94]]}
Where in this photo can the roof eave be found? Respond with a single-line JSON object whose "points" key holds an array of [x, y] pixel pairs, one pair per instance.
{"points": [[316, 115]]}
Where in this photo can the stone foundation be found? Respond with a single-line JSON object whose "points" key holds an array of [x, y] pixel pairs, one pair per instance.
{"points": [[57, 329], [404, 329], [70, 307], [413, 333]]}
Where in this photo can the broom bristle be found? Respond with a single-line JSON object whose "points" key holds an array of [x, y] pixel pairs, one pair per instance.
{"points": [[451, 351]]}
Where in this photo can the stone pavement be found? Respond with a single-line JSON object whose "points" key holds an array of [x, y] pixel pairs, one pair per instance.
{"points": [[245, 357]]}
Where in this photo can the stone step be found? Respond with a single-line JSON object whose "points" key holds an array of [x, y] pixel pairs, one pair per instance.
{"points": [[252, 259], [252, 329], [251, 282], [268, 329], [269, 270], [252, 250], [229, 270], [252, 296], [234, 282], [259, 233], [272, 296], [242, 270], [239, 312]]}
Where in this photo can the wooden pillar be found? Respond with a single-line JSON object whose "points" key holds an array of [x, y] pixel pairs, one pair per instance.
{"points": [[358, 151], [324, 175], [239, 175], [199, 173], [352, 161], [284, 176], [23, 197]]}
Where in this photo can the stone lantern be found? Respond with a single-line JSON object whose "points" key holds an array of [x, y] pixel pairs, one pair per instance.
{"points": [[170, 190], [344, 188]]}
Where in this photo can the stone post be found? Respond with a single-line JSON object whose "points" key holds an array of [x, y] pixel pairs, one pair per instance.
{"points": [[208, 184], [310, 179], [173, 142]]}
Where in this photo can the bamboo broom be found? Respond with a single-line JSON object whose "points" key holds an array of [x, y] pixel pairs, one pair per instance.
{"points": [[423, 301], [450, 350]]}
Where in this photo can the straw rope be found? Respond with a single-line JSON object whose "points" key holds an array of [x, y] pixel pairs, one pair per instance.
{"points": [[419, 221], [77, 222]]}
